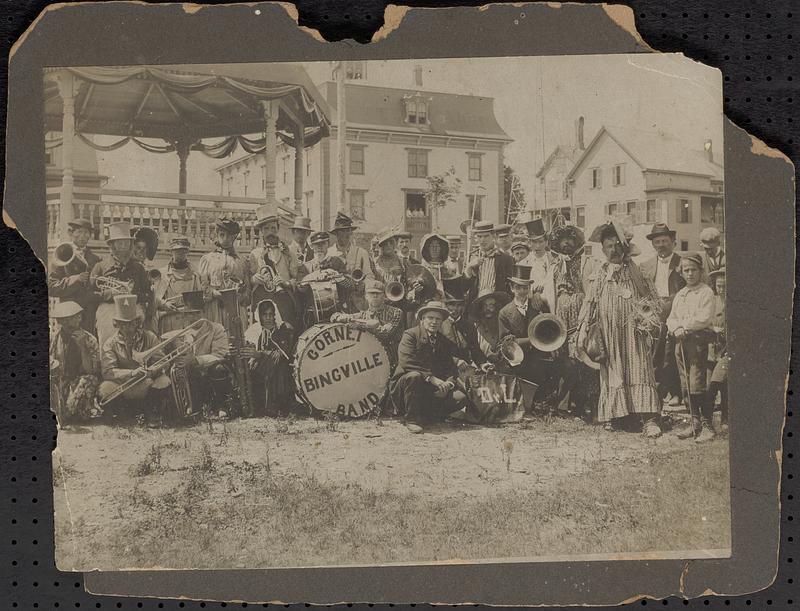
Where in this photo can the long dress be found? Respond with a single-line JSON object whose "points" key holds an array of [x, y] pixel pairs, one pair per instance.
{"points": [[220, 270], [627, 379], [272, 368]]}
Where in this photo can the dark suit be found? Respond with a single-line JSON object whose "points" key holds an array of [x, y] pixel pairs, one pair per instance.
{"points": [[63, 283], [503, 269], [538, 367], [418, 359], [666, 369], [464, 335]]}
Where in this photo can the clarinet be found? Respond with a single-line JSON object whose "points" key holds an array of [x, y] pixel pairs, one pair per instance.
{"points": [[241, 371]]}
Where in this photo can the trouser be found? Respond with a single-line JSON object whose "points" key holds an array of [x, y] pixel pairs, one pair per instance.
{"points": [[415, 400], [559, 374], [665, 367], [702, 407]]}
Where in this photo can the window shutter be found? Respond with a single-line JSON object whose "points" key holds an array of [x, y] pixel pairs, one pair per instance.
{"points": [[689, 210], [641, 212], [661, 211], [622, 174], [599, 178]]}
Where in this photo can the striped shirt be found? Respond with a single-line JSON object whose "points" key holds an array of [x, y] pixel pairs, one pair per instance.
{"points": [[486, 273]]}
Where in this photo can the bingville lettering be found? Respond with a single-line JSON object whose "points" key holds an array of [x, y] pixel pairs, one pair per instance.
{"points": [[343, 372]]}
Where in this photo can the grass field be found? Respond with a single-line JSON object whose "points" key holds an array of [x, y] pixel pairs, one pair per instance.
{"points": [[284, 492]]}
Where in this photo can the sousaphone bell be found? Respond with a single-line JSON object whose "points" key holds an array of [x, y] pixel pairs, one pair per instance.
{"points": [[64, 254], [547, 332]]}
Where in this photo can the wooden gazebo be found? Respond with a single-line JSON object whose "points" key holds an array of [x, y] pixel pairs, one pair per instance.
{"points": [[211, 108]]}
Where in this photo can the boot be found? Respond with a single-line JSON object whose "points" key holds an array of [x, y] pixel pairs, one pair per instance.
{"points": [[706, 420], [706, 433], [689, 430]]}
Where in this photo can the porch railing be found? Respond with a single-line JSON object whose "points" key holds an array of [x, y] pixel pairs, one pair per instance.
{"points": [[160, 211]]}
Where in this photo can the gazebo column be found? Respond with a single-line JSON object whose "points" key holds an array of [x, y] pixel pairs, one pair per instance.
{"points": [[182, 149], [67, 91], [299, 146], [270, 109]]}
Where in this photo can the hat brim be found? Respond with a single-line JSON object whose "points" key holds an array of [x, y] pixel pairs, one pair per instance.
{"points": [[443, 311], [301, 228], [500, 296], [348, 228], [520, 281], [671, 233]]}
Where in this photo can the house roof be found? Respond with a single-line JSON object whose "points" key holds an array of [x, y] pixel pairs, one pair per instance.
{"points": [[570, 152], [655, 151], [449, 114]]}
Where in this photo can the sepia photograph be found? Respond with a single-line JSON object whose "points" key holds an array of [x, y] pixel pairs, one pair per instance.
{"points": [[386, 312]]}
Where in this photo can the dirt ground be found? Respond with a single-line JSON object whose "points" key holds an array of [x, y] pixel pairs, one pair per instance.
{"points": [[107, 478]]}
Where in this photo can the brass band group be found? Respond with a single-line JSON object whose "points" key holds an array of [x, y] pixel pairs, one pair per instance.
{"points": [[491, 325]]}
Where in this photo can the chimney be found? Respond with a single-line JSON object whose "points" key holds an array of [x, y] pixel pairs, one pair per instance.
{"points": [[707, 146], [579, 134], [417, 76]]}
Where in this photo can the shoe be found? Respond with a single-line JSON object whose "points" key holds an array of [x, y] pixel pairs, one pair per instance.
{"points": [[706, 434], [413, 428], [651, 429], [609, 427], [688, 431]]}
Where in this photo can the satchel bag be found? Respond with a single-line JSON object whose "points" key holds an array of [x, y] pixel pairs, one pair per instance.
{"points": [[595, 344]]}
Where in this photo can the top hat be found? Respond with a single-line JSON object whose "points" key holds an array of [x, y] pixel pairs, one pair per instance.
{"points": [[566, 231], [81, 224], [433, 306], [319, 236], [660, 229], [179, 243], [267, 212], [65, 309], [710, 234], [374, 286], [302, 222], [521, 274], [454, 289], [482, 227], [228, 225], [342, 222], [425, 245], [119, 231], [475, 306], [535, 228], [502, 230], [126, 309], [193, 300]]}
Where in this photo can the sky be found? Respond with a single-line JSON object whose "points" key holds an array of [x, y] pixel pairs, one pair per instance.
{"points": [[536, 100]]}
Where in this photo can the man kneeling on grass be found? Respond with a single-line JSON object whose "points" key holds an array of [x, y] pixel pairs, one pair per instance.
{"points": [[424, 387]]}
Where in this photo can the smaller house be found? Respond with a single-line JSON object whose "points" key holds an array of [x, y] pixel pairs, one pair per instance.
{"points": [[648, 177]]}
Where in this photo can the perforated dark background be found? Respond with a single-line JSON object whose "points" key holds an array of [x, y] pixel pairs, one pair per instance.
{"points": [[753, 43]]}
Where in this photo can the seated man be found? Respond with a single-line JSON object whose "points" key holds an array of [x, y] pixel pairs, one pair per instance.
{"points": [[423, 386], [200, 376], [270, 344], [382, 319], [537, 366], [459, 329], [122, 364], [74, 365]]}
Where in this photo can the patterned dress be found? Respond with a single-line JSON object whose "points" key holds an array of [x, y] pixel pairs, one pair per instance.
{"points": [[627, 379]]}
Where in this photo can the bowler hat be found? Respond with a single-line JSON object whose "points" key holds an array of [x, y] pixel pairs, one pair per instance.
{"points": [[267, 212], [65, 309], [660, 229], [302, 222], [125, 308], [81, 224], [433, 306]]}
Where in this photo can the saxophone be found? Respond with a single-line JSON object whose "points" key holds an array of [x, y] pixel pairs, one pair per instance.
{"points": [[241, 370]]}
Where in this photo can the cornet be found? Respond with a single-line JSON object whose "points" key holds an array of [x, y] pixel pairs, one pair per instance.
{"points": [[117, 287]]}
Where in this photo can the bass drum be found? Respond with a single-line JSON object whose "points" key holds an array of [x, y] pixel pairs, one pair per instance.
{"points": [[341, 370]]}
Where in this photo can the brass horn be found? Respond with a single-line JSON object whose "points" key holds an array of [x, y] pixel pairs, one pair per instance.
{"points": [[512, 352], [395, 291], [357, 275], [547, 332], [64, 254]]}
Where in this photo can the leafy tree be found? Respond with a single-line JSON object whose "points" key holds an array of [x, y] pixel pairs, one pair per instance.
{"points": [[442, 190]]}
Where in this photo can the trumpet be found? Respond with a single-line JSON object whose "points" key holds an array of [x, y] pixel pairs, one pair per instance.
{"points": [[117, 287], [143, 374], [269, 278]]}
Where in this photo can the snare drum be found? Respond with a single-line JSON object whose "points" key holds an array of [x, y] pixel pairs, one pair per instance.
{"points": [[341, 370], [323, 300]]}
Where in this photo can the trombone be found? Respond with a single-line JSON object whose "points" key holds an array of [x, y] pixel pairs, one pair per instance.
{"points": [[143, 374]]}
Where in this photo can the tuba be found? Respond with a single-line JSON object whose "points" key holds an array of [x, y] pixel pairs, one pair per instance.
{"points": [[395, 291], [547, 332], [241, 370], [64, 254]]}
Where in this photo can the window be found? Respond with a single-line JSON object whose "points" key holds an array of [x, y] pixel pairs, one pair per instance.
{"points": [[618, 175], [580, 216], [308, 164], [611, 208], [356, 159], [684, 214], [355, 71], [357, 205], [246, 176], [712, 211], [475, 207], [565, 189], [417, 163], [474, 166], [597, 178], [630, 208], [652, 211], [684, 245], [416, 110]]}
